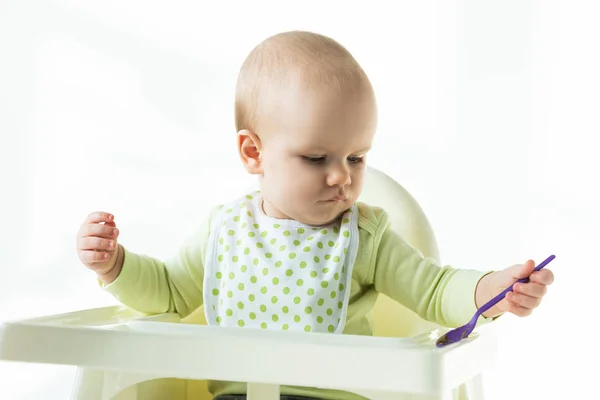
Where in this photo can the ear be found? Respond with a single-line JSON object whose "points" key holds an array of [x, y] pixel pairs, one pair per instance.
{"points": [[249, 148]]}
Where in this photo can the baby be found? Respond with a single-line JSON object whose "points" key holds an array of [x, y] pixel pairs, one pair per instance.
{"points": [[301, 254]]}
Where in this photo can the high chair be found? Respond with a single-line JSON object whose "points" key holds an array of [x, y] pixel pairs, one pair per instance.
{"points": [[123, 355]]}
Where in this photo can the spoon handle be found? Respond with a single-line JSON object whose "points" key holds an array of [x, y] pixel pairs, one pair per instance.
{"points": [[496, 299]]}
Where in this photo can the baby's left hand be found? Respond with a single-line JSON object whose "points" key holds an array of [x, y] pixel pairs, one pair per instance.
{"points": [[524, 298]]}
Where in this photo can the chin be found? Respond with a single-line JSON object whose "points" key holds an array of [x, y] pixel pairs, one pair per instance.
{"points": [[324, 219]]}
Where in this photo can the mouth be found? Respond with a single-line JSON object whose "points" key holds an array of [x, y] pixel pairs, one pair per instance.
{"points": [[337, 199]]}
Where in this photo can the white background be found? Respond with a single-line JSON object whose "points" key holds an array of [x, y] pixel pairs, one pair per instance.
{"points": [[488, 116]]}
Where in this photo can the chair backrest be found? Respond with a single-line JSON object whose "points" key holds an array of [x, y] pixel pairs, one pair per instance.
{"points": [[407, 218]]}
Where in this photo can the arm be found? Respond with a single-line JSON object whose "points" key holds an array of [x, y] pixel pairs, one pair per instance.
{"points": [[152, 286], [440, 294]]}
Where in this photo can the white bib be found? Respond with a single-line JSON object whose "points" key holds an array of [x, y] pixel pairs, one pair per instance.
{"points": [[268, 273]]}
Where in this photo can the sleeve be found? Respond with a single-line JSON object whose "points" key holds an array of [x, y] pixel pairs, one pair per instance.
{"points": [[152, 286], [440, 294]]}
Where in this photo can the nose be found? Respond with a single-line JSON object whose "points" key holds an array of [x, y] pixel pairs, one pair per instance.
{"points": [[338, 175]]}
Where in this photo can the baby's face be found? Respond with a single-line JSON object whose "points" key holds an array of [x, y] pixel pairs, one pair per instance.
{"points": [[313, 157]]}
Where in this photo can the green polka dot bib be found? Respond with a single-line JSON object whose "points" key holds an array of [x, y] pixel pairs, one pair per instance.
{"points": [[268, 273]]}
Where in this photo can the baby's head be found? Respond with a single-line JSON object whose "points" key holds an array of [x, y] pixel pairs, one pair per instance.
{"points": [[306, 116]]}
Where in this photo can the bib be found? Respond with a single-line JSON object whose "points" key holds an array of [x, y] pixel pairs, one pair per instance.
{"points": [[268, 273]]}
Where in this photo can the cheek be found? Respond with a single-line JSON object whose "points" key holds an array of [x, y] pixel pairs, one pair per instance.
{"points": [[358, 177], [275, 165], [304, 182], [286, 174], [358, 180]]}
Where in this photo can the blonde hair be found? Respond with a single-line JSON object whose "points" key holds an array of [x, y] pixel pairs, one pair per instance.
{"points": [[296, 57]]}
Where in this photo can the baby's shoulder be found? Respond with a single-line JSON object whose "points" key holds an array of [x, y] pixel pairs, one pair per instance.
{"points": [[371, 218]]}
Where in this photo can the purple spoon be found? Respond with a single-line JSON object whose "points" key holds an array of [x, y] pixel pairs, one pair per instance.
{"points": [[464, 331]]}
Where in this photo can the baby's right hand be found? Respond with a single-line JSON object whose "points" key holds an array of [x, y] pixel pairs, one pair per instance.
{"points": [[97, 242]]}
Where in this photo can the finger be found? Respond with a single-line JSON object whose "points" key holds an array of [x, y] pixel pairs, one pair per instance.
{"points": [[520, 271], [99, 216], [518, 310], [509, 275], [95, 243], [523, 300], [532, 289], [100, 230], [544, 277], [90, 257]]}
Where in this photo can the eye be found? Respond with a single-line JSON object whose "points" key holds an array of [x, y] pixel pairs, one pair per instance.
{"points": [[355, 160], [314, 160]]}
